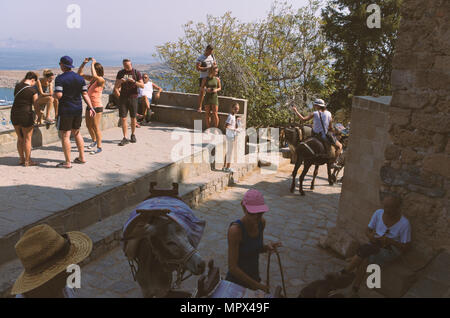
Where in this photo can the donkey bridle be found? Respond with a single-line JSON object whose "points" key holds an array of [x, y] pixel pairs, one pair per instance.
{"points": [[180, 265]]}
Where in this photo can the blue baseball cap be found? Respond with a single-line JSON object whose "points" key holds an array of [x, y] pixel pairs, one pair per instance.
{"points": [[67, 61]]}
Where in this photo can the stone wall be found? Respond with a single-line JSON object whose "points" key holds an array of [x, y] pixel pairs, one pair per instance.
{"points": [[418, 159], [415, 163], [360, 196], [173, 108], [181, 108], [363, 160]]}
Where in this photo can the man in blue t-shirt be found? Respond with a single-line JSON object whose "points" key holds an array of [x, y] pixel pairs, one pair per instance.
{"points": [[69, 89]]}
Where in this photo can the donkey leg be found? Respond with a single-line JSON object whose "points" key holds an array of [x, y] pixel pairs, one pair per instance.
{"points": [[331, 178], [298, 163], [306, 167], [316, 172]]}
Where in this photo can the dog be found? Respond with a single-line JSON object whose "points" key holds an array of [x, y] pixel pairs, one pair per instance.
{"points": [[324, 288]]}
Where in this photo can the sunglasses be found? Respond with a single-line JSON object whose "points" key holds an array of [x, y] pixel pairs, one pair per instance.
{"points": [[49, 75]]}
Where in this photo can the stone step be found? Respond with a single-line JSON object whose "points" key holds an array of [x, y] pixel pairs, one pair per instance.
{"points": [[106, 233], [72, 206]]}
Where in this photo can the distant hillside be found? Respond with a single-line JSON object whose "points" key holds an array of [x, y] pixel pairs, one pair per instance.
{"points": [[9, 79]]}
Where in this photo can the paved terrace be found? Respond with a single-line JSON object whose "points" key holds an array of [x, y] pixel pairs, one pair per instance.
{"points": [[30, 195], [298, 222]]}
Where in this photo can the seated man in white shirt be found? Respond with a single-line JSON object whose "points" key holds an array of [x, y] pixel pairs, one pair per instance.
{"points": [[145, 98], [389, 234]]}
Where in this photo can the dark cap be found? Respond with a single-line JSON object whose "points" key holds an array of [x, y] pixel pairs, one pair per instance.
{"points": [[67, 62]]}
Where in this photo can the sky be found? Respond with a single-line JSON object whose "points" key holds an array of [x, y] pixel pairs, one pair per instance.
{"points": [[111, 25]]}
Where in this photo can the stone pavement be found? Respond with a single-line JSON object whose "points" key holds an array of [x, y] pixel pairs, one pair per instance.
{"points": [[298, 222], [28, 195]]}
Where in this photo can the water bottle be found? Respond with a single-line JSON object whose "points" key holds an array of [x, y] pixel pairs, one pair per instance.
{"points": [[4, 122]]}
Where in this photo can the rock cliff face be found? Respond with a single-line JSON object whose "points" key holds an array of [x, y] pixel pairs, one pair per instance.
{"points": [[417, 162]]}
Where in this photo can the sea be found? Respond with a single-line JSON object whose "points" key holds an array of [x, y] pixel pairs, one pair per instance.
{"points": [[6, 94], [20, 59]]}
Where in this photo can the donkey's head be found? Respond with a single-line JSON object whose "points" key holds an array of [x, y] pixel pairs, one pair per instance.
{"points": [[172, 248], [160, 246], [291, 136]]}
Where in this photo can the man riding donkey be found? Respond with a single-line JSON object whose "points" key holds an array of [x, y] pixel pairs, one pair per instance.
{"points": [[323, 128]]}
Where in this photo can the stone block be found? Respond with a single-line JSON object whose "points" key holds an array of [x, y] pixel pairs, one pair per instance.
{"points": [[392, 152], [402, 79], [399, 116], [438, 164], [409, 156], [87, 214], [405, 99], [432, 122], [396, 177], [340, 242], [409, 138]]}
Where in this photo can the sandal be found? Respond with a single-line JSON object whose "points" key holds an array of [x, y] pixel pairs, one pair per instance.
{"points": [[78, 161], [30, 164], [63, 165]]}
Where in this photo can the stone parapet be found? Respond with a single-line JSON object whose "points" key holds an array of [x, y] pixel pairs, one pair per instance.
{"points": [[364, 158]]}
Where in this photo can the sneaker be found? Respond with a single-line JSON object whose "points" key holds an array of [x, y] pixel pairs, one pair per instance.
{"points": [[93, 145], [95, 152], [124, 142], [133, 139]]}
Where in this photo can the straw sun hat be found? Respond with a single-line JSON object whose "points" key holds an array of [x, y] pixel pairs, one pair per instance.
{"points": [[44, 254]]}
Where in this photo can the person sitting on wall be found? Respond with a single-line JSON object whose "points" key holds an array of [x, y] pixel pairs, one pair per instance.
{"points": [[145, 99], [389, 233], [45, 89]]}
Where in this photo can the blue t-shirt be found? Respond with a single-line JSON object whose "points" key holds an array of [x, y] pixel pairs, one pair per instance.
{"points": [[72, 86]]}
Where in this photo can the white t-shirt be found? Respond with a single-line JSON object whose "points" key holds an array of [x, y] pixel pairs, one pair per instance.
{"points": [[231, 121], [326, 118], [147, 90], [400, 232], [209, 60]]}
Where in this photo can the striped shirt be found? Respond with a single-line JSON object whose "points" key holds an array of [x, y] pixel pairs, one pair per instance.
{"points": [[71, 85]]}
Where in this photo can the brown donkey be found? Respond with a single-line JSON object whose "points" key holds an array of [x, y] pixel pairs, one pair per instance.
{"points": [[310, 151]]}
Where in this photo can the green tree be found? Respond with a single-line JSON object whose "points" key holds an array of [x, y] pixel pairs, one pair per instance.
{"points": [[362, 57], [275, 62]]}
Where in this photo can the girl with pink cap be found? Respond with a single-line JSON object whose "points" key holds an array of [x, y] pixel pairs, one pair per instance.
{"points": [[246, 242]]}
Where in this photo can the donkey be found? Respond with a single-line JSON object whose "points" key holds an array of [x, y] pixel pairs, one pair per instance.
{"points": [[310, 152], [159, 242]]}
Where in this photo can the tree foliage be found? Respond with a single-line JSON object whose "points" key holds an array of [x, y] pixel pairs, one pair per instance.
{"points": [[362, 57], [279, 60]]}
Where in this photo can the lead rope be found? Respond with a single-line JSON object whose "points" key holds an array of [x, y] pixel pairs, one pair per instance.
{"points": [[281, 270]]}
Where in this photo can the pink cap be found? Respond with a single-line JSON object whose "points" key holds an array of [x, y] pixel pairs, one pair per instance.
{"points": [[254, 202]]}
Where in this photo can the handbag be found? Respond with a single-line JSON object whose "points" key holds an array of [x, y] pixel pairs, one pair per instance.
{"points": [[329, 135]]}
